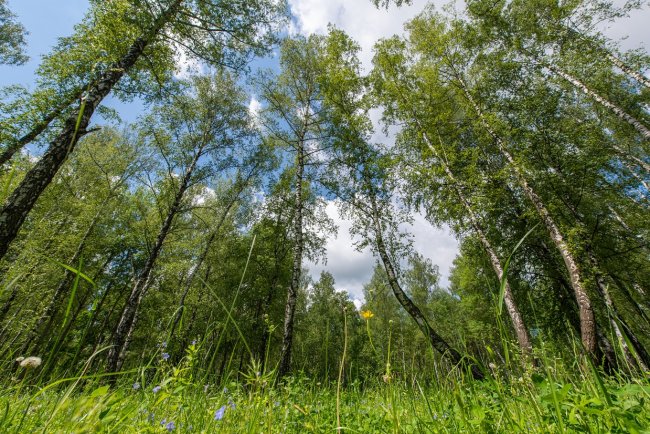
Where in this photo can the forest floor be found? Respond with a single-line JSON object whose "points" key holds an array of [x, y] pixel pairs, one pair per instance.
{"points": [[172, 401]]}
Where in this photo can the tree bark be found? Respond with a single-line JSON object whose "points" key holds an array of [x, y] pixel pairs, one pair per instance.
{"points": [[642, 361], [521, 331], [619, 112], [587, 320], [204, 255], [50, 310], [23, 198], [628, 70], [292, 293], [435, 340], [30, 136], [127, 320]]}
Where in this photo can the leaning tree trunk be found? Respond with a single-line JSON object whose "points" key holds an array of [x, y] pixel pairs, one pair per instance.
{"points": [[50, 311], [16, 145], [127, 319], [292, 293], [602, 50], [628, 70], [435, 340], [523, 336], [618, 111], [202, 256], [633, 159], [23, 198], [615, 318], [587, 320]]}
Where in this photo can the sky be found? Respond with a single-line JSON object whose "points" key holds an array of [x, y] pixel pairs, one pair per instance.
{"points": [[46, 20]]}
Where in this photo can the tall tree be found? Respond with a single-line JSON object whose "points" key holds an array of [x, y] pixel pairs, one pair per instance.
{"points": [[187, 132], [223, 34], [296, 119]]}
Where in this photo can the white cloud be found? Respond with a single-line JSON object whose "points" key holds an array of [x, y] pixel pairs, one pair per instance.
{"points": [[205, 194], [358, 18], [254, 106], [254, 109], [352, 269]]}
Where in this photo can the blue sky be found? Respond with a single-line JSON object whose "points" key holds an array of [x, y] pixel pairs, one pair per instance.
{"points": [[46, 20]]}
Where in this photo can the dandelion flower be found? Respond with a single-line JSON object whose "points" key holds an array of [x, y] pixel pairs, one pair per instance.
{"points": [[219, 413], [19, 359], [31, 362], [367, 314]]}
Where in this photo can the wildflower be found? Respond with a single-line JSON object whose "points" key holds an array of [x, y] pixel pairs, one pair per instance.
{"points": [[225, 390], [231, 404], [19, 359], [164, 344], [492, 366], [151, 417], [165, 356], [170, 426], [156, 389], [194, 342], [136, 386], [219, 413], [31, 362], [367, 314]]}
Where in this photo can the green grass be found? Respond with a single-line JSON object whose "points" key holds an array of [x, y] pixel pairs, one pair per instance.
{"points": [[539, 401]]}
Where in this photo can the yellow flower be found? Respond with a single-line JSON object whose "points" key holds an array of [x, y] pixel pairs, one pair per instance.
{"points": [[367, 314]]}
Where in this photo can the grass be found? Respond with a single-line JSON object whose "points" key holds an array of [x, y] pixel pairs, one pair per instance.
{"points": [[170, 398], [555, 397]]}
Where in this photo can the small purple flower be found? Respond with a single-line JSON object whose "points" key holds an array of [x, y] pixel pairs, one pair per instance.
{"points": [[156, 389], [164, 344], [136, 386], [219, 414], [165, 356], [164, 421], [170, 426], [194, 342], [225, 390], [231, 404]]}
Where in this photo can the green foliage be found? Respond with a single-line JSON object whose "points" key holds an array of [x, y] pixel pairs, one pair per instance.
{"points": [[12, 37]]}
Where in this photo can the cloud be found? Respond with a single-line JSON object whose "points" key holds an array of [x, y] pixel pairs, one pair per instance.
{"points": [[353, 269], [254, 109], [366, 24], [254, 106], [358, 18]]}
